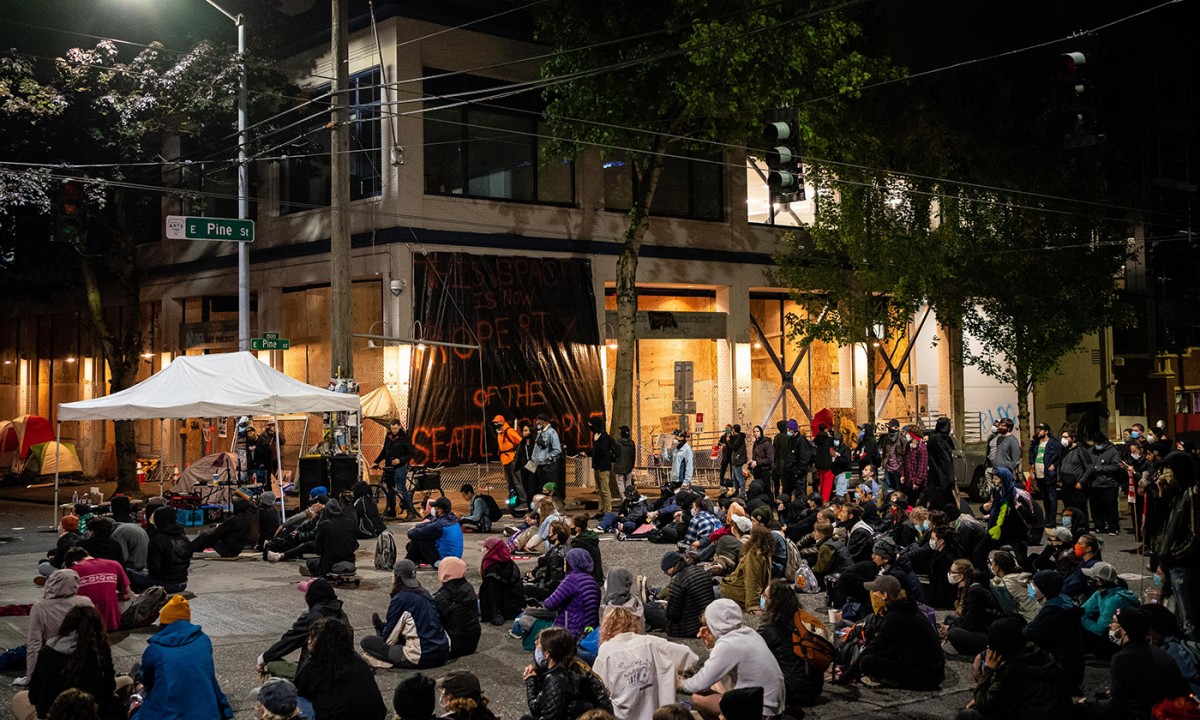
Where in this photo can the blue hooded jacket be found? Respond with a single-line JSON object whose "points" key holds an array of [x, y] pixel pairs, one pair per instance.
{"points": [[444, 531], [179, 677]]}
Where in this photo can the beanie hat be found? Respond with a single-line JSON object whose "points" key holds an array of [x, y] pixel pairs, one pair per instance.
{"points": [[670, 560], [1049, 582], [1005, 636], [793, 426], [69, 523], [884, 548], [177, 608], [414, 698]]}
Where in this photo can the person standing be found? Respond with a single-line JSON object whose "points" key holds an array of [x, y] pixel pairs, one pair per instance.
{"points": [[824, 460], [547, 456], [939, 490], [1045, 453], [737, 459], [622, 468], [916, 466], [394, 457], [781, 469], [762, 459], [891, 456], [1006, 452], [270, 445], [604, 453], [1105, 479], [683, 463], [866, 451], [507, 441], [1072, 478], [803, 454]]}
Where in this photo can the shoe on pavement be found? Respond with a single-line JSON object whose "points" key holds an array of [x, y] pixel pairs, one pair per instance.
{"points": [[378, 623], [497, 619], [304, 571], [870, 682], [274, 556], [376, 662], [40, 580], [22, 681]]}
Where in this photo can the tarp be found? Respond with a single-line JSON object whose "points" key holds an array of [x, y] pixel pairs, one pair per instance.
{"points": [[32, 430], [222, 385], [224, 463], [10, 447], [380, 406], [45, 459]]}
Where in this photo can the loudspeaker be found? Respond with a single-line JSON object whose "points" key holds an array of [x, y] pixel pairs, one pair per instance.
{"points": [[343, 472], [335, 473], [313, 473]]}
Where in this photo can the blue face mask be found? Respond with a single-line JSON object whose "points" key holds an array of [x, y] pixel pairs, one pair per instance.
{"points": [[1032, 592], [539, 658], [1157, 580], [1134, 434], [860, 435], [762, 602], [1066, 521], [837, 443], [925, 525]]}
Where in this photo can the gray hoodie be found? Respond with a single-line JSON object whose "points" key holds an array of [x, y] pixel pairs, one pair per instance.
{"points": [[47, 614]]}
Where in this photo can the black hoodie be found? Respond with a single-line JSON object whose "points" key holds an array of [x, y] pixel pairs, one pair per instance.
{"points": [[169, 554], [232, 535], [940, 445], [370, 524], [322, 603], [459, 609], [336, 538]]}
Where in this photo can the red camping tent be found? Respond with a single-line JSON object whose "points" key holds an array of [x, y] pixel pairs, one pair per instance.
{"points": [[33, 430]]}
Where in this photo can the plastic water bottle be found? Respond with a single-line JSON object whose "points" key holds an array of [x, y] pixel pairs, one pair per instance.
{"points": [[216, 475], [75, 498]]}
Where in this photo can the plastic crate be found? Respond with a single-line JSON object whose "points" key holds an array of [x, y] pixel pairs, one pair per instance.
{"points": [[191, 518]]}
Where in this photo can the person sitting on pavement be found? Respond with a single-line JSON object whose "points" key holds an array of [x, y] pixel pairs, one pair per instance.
{"points": [[1140, 674], [1056, 628], [436, 538], [230, 537], [965, 630], [703, 523], [619, 592], [99, 542], [639, 670], [335, 543], [784, 618], [168, 557], [45, 617], [904, 650], [582, 537], [1020, 679], [577, 597], [463, 698], [501, 593], [458, 607], [1098, 610], [557, 685], [322, 602], [832, 557], [77, 657], [133, 541], [338, 682], [276, 699], [745, 584], [1006, 577], [104, 582], [414, 698], [1165, 633], [478, 517], [1077, 585], [68, 537], [268, 518], [536, 537], [735, 651], [689, 593], [179, 680], [412, 636]]}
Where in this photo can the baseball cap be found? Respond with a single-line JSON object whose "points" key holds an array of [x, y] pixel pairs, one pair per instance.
{"points": [[463, 684], [1102, 571], [277, 695], [443, 504], [406, 570], [884, 584]]}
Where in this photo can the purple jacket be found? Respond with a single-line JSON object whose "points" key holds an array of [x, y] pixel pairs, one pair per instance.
{"points": [[577, 597]]}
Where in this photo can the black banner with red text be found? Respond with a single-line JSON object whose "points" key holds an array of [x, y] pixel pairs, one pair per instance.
{"points": [[535, 319]]}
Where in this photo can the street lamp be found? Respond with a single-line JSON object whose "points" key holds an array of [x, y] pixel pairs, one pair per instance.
{"points": [[243, 185]]}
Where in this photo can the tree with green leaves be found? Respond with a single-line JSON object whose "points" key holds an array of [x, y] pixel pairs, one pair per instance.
{"points": [[103, 121], [645, 81]]}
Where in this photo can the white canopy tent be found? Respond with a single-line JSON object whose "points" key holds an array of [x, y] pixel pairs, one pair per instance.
{"points": [[228, 384]]}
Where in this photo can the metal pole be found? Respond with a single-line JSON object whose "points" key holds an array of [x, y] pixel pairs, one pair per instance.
{"points": [[243, 197], [57, 449], [341, 356], [279, 467]]}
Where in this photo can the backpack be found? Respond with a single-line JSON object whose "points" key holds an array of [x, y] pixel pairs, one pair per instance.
{"points": [[814, 650], [493, 510], [385, 551], [791, 566], [1004, 599], [368, 526], [143, 610]]}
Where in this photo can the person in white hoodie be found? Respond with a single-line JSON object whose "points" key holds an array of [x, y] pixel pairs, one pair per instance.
{"points": [[638, 670], [738, 658], [46, 615]]}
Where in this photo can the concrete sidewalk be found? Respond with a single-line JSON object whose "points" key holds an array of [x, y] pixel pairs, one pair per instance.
{"points": [[244, 605]]}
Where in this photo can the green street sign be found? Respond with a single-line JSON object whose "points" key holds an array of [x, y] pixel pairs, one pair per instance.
{"points": [[183, 227], [274, 343]]}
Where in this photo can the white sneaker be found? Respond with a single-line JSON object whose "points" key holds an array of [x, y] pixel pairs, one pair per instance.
{"points": [[21, 681], [274, 556]]}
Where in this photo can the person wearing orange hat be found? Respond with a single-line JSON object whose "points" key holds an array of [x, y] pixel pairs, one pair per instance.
{"points": [[508, 440], [179, 679]]}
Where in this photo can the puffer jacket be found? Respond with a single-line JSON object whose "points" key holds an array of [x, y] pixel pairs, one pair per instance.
{"points": [[337, 537], [1099, 609], [170, 553], [1017, 585], [565, 692], [763, 454], [46, 615], [690, 591], [322, 603], [444, 531], [459, 610], [577, 597]]}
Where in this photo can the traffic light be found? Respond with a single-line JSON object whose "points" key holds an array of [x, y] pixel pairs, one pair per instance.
{"points": [[785, 179], [1078, 103], [69, 211]]}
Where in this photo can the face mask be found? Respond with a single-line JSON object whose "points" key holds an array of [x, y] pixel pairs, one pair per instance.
{"points": [[860, 435], [925, 525], [762, 602], [1066, 521], [933, 543], [1032, 592], [1066, 441], [1150, 437], [954, 578], [539, 658], [877, 603], [1080, 550], [1134, 434], [1135, 456], [1157, 580], [1114, 636], [837, 442]]}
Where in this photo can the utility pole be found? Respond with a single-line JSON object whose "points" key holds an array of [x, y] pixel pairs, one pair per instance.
{"points": [[341, 358]]}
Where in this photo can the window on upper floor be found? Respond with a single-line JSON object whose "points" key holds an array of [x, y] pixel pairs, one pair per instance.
{"points": [[305, 174], [491, 148], [692, 187]]}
